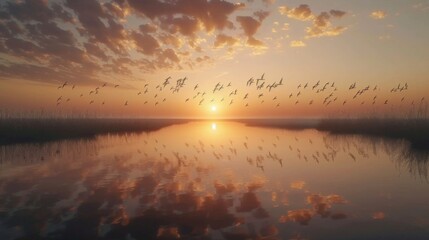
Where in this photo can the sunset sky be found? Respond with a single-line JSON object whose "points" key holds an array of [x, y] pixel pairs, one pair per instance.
{"points": [[114, 54]]}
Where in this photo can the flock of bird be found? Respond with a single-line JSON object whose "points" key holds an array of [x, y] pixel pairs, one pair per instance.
{"points": [[254, 91]]}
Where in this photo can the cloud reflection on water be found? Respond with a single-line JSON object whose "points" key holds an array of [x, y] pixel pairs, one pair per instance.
{"points": [[189, 181]]}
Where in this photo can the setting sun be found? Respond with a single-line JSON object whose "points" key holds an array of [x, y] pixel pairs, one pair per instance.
{"points": [[214, 108]]}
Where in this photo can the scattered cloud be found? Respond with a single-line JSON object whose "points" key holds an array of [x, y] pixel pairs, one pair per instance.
{"points": [[322, 26], [378, 15], [302, 12], [297, 44], [321, 23], [84, 40]]}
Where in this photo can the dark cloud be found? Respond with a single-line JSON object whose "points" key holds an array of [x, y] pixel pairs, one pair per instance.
{"points": [[145, 43], [212, 14], [250, 26], [90, 14], [27, 10], [337, 13], [147, 28], [184, 25], [94, 50]]}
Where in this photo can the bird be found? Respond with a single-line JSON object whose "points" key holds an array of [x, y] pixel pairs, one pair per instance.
{"points": [[126, 103], [260, 79]]}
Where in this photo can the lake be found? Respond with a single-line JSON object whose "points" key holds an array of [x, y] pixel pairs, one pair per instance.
{"points": [[215, 180]]}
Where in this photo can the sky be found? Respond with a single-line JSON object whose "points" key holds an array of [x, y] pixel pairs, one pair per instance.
{"points": [[122, 58]]}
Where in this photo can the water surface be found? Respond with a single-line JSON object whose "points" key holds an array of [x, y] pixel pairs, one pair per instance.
{"points": [[215, 180]]}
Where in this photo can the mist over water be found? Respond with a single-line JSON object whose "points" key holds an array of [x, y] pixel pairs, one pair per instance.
{"points": [[215, 180]]}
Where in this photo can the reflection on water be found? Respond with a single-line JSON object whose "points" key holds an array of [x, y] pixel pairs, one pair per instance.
{"points": [[214, 180]]}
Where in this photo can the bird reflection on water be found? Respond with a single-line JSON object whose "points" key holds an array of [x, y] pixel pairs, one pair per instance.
{"points": [[241, 183]]}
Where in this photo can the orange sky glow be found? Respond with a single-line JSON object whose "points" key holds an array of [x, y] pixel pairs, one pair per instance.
{"points": [[129, 58]]}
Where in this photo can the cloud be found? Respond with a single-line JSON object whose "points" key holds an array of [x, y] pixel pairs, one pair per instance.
{"points": [[301, 216], [225, 40], [378, 15], [321, 23], [337, 13], [93, 39], [212, 14], [250, 27], [297, 44], [108, 32], [324, 32], [322, 26], [35, 10], [145, 43], [261, 15], [302, 12]]}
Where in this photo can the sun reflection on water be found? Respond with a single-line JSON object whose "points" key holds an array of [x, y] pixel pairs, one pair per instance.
{"points": [[214, 126]]}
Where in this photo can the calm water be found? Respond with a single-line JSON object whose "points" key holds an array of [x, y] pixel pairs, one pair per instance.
{"points": [[215, 180]]}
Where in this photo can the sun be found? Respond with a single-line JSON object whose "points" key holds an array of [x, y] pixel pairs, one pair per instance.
{"points": [[214, 108]]}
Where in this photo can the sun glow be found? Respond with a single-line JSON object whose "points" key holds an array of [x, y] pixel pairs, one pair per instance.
{"points": [[213, 108], [214, 126]]}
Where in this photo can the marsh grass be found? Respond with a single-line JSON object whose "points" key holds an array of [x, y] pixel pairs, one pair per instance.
{"points": [[21, 130]]}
